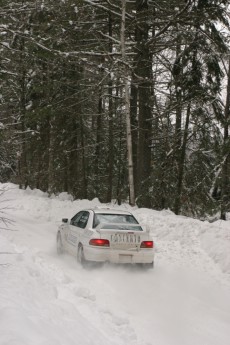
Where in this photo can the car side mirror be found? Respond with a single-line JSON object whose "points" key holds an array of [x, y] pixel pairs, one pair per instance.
{"points": [[64, 220]]}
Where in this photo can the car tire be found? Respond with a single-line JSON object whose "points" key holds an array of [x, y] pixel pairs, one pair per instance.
{"points": [[80, 256], [60, 248], [150, 265], [146, 266]]}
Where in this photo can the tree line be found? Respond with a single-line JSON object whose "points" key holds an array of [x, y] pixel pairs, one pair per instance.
{"points": [[120, 100]]}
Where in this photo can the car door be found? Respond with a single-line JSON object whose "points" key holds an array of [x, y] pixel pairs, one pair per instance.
{"points": [[77, 226]]}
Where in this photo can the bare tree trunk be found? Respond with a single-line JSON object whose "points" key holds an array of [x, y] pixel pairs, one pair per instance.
{"points": [[111, 138], [51, 156], [181, 164], [177, 73], [111, 143], [23, 169], [134, 126], [84, 172], [120, 160], [98, 144], [144, 76], [225, 185], [127, 109]]}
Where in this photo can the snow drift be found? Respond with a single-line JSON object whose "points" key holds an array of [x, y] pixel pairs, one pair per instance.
{"points": [[50, 300]]}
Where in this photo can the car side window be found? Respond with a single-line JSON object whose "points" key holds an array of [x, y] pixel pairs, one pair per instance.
{"points": [[83, 220], [80, 219], [74, 221]]}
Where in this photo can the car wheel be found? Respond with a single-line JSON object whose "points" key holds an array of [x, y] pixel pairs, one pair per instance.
{"points": [[146, 266], [80, 255], [150, 265], [60, 249]]}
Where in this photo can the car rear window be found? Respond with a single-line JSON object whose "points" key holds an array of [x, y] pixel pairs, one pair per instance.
{"points": [[122, 221]]}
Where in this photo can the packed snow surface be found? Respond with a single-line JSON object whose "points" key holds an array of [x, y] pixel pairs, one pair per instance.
{"points": [[50, 300]]}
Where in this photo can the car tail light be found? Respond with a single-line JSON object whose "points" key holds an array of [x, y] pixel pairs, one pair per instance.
{"points": [[147, 244], [99, 242]]}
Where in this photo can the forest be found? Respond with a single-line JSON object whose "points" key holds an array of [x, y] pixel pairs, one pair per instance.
{"points": [[123, 100]]}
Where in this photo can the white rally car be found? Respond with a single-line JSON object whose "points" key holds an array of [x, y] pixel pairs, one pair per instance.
{"points": [[106, 235]]}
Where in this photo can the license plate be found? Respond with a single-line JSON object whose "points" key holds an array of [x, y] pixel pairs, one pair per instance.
{"points": [[125, 259], [125, 238]]}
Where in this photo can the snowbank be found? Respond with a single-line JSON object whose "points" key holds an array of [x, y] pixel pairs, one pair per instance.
{"points": [[47, 300], [164, 225]]}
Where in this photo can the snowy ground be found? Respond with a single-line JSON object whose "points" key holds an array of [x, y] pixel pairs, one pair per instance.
{"points": [[51, 300]]}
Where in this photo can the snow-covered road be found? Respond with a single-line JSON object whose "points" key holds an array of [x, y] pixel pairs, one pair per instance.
{"points": [[51, 300]]}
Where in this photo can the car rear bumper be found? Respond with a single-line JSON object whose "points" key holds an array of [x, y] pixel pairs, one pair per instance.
{"points": [[118, 256]]}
